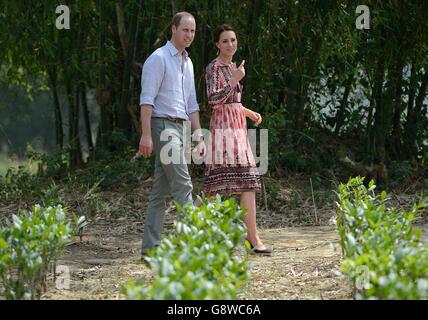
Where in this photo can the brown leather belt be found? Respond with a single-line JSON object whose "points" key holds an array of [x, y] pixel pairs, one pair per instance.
{"points": [[175, 120]]}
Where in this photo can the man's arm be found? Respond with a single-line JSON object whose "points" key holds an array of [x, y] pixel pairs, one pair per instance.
{"points": [[194, 118], [196, 125], [151, 79], [146, 142]]}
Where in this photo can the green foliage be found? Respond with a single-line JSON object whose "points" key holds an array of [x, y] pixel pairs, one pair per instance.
{"points": [[52, 195], [50, 165], [117, 170], [28, 245], [80, 223], [401, 172], [302, 151], [273, 188], [381, 242], [198, 262], [18, 183], [309, 69]]}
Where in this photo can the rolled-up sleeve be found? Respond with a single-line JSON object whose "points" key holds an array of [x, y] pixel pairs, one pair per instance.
{"points": [[192, 103], [151, 79]]}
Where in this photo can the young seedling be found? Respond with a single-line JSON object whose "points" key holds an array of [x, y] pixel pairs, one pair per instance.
{"points": [[79, 224]]}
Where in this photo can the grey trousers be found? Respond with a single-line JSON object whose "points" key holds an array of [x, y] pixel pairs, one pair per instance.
{"points": [[171, 179]]}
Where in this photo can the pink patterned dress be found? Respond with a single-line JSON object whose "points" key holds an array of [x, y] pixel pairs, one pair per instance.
{"points": [[230, 166]]}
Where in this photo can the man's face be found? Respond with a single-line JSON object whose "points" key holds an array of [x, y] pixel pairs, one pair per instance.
{"points": [[185, 32]]}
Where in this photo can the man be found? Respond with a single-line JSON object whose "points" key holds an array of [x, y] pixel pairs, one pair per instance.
{"points": [[168, 98]]}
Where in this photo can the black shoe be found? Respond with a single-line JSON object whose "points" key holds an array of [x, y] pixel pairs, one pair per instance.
{"points": [[146, 261], [252, 249]]}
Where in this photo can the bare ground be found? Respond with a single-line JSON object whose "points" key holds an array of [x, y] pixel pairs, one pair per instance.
{"points": [[295, 223], [304, 264]]}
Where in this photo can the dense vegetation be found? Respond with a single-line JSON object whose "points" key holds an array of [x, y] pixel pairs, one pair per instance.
{"points": [[321, 83], [338, 102], [199, 260], [383, 254], [29, 247]]}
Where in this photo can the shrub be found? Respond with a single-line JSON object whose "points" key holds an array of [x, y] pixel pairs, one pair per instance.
{"points": [[198, 262], [401, 172], [18, 183], [380, 243], [27, 248], [51, 165]]}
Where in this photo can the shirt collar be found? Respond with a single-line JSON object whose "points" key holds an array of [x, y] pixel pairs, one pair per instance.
{"points": [[173, 50]]}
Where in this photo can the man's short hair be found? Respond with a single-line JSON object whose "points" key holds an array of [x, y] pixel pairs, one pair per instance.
{"points": [[178, 16]]}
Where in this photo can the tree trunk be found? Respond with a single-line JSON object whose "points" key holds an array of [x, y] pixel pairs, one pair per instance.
{"points": [[59, 134], [87, 122], [379, 116], [173, 7], [409, 130], [124, 116], [76, 130], [292, 97], [397, 105], [255, 10], [73, 123], [104, 93], [153, 27], [340, 115], [121, 26], [418, 115]]}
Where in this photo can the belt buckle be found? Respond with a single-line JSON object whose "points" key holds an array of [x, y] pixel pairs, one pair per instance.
{"points": [[175, 120]]}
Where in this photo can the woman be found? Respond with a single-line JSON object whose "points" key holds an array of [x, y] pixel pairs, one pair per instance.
{"points": [[231, 168]]}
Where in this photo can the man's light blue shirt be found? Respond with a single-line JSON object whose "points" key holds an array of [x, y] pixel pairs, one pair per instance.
{"points": [[166, 86]]}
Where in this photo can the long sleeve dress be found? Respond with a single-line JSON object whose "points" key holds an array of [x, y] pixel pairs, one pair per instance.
{"points": [[230, 166]]}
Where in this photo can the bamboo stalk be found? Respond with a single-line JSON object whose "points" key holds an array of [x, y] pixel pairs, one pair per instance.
{"points": [[313, 199]]}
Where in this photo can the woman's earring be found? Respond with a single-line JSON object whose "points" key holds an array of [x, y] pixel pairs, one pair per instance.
{"points": [[218, 51]]}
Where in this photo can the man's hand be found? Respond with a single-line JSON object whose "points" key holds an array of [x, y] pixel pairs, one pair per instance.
{"points": [[200, 151], [146, 146]]}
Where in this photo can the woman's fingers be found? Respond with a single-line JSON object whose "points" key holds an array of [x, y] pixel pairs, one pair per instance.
{"points": [[258, 119]]}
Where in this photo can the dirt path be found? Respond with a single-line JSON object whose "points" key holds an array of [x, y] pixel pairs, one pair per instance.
{"points": [[304, 264]]}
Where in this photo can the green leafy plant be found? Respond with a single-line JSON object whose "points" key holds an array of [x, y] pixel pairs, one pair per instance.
{"points": [[18, 183], [52, 195], [50, 165], [80, 223], [273, 189], [383, 253], [28, 246], [198, 261]]}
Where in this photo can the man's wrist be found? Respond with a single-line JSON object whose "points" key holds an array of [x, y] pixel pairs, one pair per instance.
{"points": [[198, 136]]}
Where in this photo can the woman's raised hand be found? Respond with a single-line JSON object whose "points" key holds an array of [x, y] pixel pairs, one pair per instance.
{"points": [[238, 73]]}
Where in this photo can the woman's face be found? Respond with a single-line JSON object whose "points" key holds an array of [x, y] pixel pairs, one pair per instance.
{"points": [[227, 44]]}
